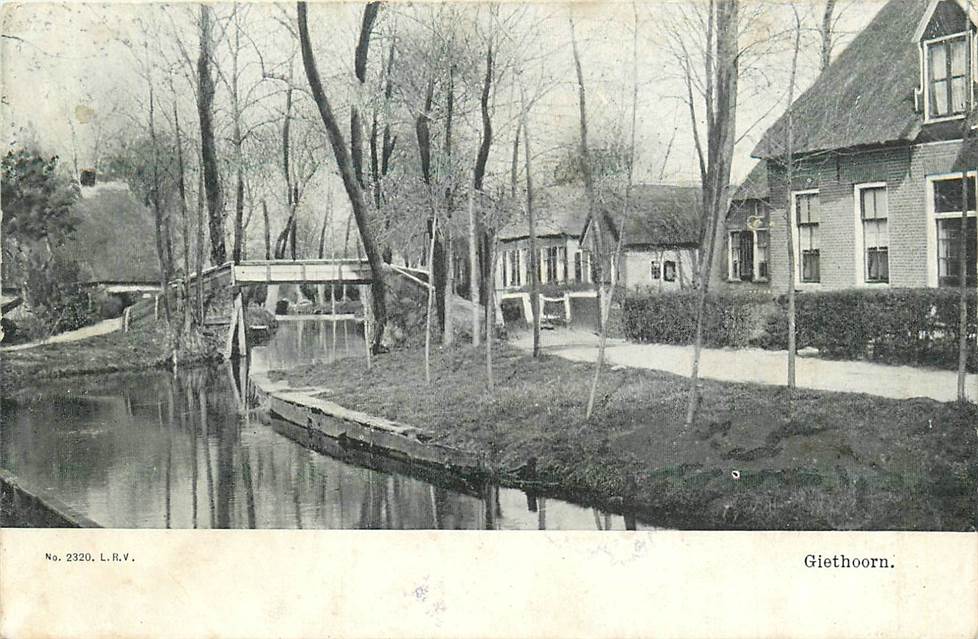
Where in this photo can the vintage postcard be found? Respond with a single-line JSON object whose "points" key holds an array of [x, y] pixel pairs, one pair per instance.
{"points": [[687, 288]]}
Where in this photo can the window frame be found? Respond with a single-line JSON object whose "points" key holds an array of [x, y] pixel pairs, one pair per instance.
{"points": [[969, 74], [933, 217], [582, 261], [655, 270], [666, 264], [756, 276], [796, 242], [861, 266]]}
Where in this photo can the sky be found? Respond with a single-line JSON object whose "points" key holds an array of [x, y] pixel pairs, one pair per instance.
{"points": [[69, 72]]}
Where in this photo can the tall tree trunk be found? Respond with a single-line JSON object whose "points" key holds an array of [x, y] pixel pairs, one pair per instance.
{"points": [[605, 309], [268, 230], [430, 300], [201, 316], [380, 165], [436, 258], [473, 272], [721, 103], [826, 35], [531, 223], [184, 216], [478, 177], [360, 71], [162, 228], [492, 256], [205, 105], [448, 332], [236, 141], [353, 190], [963, 284], [593, 223], [238, 216], [789, 222], [282, 241]]}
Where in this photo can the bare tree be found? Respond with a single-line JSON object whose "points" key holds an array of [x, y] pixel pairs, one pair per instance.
{"points": [[531, 223], [205, 110], [789, 209], [826, 34], [605, 300], [963, 277], [347, 172], [594, 224], [721, 62]]}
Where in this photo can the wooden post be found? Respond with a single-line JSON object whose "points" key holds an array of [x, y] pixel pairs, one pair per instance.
{"points": [[242, 329], [366, 300], [233, 327], [156, 308], [125, 319]]}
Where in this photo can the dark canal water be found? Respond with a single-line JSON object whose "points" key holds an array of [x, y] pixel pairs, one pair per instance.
{"points": [[158, 450]]}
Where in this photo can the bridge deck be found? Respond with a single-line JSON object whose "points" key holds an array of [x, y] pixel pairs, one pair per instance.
{"points": [[349, 271], [306, 271]]}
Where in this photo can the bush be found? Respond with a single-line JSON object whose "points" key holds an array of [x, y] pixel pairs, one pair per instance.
{"points": [[110, 306], [670, 317], [58, 301], [893, 326]]}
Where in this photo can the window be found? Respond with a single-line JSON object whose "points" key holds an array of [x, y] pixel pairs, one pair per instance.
{"points": [[762, 244], [949, 251], [947, 76], [807, 218], [669, 271], [510, 271], [948, 202], [655, 271], [582, 266], [742, 255], [749, 255], [515, 270], [873, 214], [948, 198], [552, 264]]}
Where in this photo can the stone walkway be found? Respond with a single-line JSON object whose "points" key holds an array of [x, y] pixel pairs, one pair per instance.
{"points": [[101, 328], [759, 367]]}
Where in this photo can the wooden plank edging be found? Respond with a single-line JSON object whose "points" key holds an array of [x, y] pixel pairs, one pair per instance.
{"points": [[303, 408]]}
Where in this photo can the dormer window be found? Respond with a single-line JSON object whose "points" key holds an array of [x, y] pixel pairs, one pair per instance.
{"points": [[947, 76]]}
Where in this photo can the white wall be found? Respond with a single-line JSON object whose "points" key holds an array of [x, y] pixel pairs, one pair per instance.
{"points": [[637, 268]]}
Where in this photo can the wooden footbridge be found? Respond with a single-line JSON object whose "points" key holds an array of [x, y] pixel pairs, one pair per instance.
{"points": [[354, 272]]}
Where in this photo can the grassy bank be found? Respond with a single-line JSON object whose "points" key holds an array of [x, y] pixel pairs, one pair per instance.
{"points": [[754, 460], [145, 346]]}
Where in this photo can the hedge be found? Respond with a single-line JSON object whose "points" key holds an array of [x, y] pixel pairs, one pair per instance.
{"points": [[670, 318], [894, 326], [917, 327]]}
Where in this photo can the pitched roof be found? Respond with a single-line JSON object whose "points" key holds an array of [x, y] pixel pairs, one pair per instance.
{"points": [[115, 238], [754, 186], [559, 210], [659, 214], [865, 97]]}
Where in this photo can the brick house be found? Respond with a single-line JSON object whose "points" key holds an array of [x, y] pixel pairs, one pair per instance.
{"points": [[879, 144], [660, 248]]}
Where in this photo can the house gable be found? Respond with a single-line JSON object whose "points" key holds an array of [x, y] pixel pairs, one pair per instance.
{"points": [[943, 17], [866, 97]]}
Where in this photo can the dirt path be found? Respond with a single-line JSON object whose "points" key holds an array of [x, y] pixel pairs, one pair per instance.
{"points": [[101, 328], [760, 367]]}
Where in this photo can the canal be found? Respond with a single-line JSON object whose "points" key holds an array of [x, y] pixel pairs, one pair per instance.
{"points": [[163, 450]]}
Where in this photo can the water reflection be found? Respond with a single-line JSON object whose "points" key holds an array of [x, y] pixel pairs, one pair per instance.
{"points": [[158, 450], [307, 341]]}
